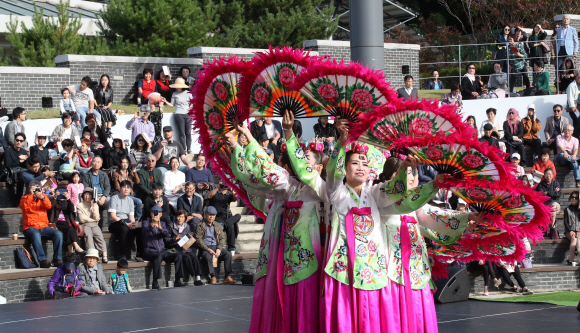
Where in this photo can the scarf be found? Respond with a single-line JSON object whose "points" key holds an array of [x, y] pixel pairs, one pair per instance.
{"points": [[470, 77], [514, 125], [85, 163]]}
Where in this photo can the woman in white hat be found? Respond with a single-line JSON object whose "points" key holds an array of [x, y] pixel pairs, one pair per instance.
{"points": [[181, 99]]}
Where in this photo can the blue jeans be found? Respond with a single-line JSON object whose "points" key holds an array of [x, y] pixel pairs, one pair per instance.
{"points": [[164, 170], [138, 207], [35, 237], [561, 160], [82, 112]]}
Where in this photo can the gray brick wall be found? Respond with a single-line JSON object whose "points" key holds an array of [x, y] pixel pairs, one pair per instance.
{"points": [[27, 89], [536, 281]]}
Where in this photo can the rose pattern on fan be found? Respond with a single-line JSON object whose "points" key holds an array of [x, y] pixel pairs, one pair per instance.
{"points": [[434, 153], [421, 126], [477, 194], [472, 161], [260, 95], [286, 75], [384, 132], [362, 99], [328, 92], [518, 218], [219, 90], [514, 202]]}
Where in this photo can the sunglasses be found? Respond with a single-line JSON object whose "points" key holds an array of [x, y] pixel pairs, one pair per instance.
{"points": [[574, 198], [511, 113], [557, 110], [140, 140], [17, 140], [506, 29]]}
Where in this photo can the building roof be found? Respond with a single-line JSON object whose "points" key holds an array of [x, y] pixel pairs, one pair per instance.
{"points": [[26, 8]]}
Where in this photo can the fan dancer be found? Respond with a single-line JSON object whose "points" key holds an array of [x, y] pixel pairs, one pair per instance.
{"points": [[288, 272], [359, 296]]}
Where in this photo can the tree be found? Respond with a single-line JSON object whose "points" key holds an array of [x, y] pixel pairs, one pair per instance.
{"points": [[40, 44]]}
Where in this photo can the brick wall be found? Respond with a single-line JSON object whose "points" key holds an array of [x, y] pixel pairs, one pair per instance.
{"points": [[207, 53], [536, 281]]}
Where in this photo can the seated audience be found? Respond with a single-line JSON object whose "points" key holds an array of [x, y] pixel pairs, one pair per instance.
{"points": [[192, 204], [505, 269], [408, 92], [66, 158], [140, 148], [119, 281], [498, 80], [454, 97], [572, 225], [515, 159], [15, 127], [178, 230], [567, 73], [146, 87], [33, 172], [541, 165], [184, 73], [551, 188], [495, 122], [139, 125], [471, 121], [117, 152], [532, 126], [103, 101], [61, 214], [124, 173], [555, 126], [99, 143], [39, 149], [167, 148], [434, 83], [75, 188], [568, 152], [471, 84], [15, 156], [572, 94], [66, 280], [163, 83], [147, 177], [154, 231], [122, 220], [199, 174], [34, 206], [210, 238], [83, 159], [65, 130], [518, 64], [99, 180], [173, 182], [540, 81], [83, 98], [156, 198], [513, 130], [89, 216], [487, 272], [488, 136], [266, 144], [324, 130], [93, 276], [220, 199]]}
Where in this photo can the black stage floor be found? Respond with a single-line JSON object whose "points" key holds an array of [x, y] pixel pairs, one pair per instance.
{"points": [[225, 308]]}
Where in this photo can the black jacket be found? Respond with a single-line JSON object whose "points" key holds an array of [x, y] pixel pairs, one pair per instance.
{"points": [[171, 243], [149, 202], [103, 136], [532, 50], [491, 141], [11, 158], [507, 131], [103, 97], [196, 207], [325, 132], [550, 190], [41, 154], [467, 87], [114, 157]]}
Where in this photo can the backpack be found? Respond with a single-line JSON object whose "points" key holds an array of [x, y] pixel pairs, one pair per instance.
{"points": [[24, 259]]}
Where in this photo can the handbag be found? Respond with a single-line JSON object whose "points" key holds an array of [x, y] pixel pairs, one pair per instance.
{"points": [[24, 259], [80, 229], [546, 47]]}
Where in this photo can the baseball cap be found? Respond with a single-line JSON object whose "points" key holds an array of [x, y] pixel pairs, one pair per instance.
{"points": [[42, 133], [156, 209], [532, 106], [167, 128], [516, 155]]}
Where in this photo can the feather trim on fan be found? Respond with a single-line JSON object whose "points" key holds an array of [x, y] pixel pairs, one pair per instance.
{"points": [[343, 90], [265, 85], [410, 119]]}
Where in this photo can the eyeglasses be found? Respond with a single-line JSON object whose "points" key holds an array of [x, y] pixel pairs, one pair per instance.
{"points": [[557, 110], [568, 130], [140, 140], [508, 29], [471, 68], [18, 140]]}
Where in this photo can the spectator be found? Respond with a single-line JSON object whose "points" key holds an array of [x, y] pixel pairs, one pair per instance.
{"points": [[177, 231], [98, 180], [84, 99], [526, 181], [61, 214], [192, 204], [15, 156], [497, 127], [181, 100], [123, 173], [567, 73], [498, 80], [540, 166], [434, 83], [146, 87], [140, 148], [243, 140], [297, 129], [471, 84], [487, 272], [119, 281], [104, 100], [266, 144], [535, 46], [408, 92], [488, 136], [35, 224], [532, 126], [65, 130], [572, 101], [326, 131], [117, 152], [471, 121], [502, 41], [156, 198], [75, 189], [551, 188], [141, 125], [505, 270], [454, 97], [220, 199], [518, 64], [15, 126], [122, 220], [89, 216], [32, 173], [154, 231], [83, 159], [555, 126], [93, 276], [256, 126], [426, 174], [173, 182], [199, 174], [3, 119], [515, 158], [65, 276], [513, 130], [163, 87], [39, 150], [165, 149], [99, 137], [541, 81], [572, 225], [67, 106], [184, 73], [568, 152], [273, 129], [521, 37], [147, 177], [567, 40], [209, 236], [66, 159]]}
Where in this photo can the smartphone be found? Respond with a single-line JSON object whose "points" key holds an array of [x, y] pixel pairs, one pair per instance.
{"points": [[132, 159]]}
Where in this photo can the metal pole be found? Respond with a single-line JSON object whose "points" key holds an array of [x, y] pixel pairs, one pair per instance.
{"points": [[507, 57], [459, 62], [366, 33]]}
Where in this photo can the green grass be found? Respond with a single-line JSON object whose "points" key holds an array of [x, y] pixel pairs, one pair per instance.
{"points": [[567, 298], [55, 113]]}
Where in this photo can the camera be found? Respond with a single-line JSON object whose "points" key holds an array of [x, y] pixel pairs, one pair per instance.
{"points": [[37, 189], [155, 213]]}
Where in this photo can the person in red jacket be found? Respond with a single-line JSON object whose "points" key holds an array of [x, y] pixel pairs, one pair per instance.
{"points": [[541, 165], [34, 207]]}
